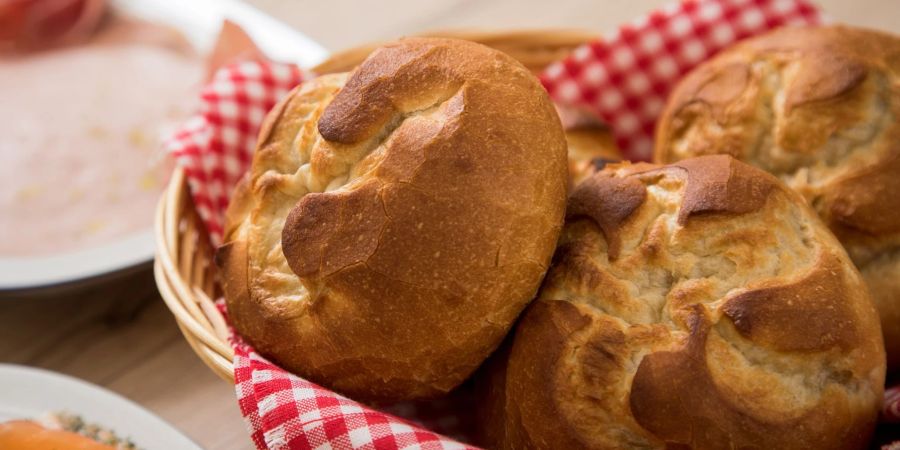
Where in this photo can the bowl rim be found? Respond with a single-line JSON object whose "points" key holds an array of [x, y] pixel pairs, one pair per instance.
{"points": [[50, 271]]}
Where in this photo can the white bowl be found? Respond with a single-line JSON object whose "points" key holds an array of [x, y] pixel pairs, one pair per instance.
{"points": [[200, 21]]}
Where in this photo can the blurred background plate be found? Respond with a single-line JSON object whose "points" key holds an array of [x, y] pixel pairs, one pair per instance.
{"points": [[199, 21], [30, 393]]}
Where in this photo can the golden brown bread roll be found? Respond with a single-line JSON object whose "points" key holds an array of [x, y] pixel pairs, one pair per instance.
{"points": [[698, 305], [396, 221], [819, 108]]}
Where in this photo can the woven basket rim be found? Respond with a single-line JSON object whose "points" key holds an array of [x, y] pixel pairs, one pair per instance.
{"points": [[184, 272]]}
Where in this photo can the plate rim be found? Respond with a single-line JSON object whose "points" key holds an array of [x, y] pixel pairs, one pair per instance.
{"points": [[68, 383]]}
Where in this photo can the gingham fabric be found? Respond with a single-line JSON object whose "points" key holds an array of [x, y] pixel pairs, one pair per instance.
{"points": [[626, 77], [288, 412], [624, 80], [215, 146]]}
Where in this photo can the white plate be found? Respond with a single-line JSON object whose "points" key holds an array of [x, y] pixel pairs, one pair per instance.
{"points": [[29, 393], [200, 21]]}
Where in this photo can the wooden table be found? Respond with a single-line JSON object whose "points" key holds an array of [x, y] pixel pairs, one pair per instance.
{"points": [[121, 336]]}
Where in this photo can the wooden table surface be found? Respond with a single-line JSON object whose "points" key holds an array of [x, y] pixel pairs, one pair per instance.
{"points": [[120, 334]]}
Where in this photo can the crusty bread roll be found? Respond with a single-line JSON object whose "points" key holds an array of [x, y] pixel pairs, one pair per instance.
{"points": [[396, 221], [820, 109], [698, 305]]}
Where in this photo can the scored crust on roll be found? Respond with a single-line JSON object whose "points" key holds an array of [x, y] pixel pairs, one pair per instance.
{"points": [[698, 305], [396, 220], [819, 108]]}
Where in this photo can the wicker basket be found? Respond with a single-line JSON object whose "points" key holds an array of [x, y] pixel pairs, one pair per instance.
{"points": [[184, 271]]}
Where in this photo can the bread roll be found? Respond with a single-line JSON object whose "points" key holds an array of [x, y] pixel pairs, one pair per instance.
{"points": [[819, 108], [698, 305], [396, 220]]}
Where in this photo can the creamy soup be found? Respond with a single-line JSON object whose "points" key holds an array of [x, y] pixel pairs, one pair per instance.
{"points": [[80, 132]]}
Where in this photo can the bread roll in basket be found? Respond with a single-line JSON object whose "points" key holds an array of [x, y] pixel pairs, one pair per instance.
{"points": [[819, 108], [184, 269], [396, 220], [696, 305]]}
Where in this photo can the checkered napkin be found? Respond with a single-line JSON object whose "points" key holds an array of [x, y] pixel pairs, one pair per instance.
{"points": [[624, 80], [215, 146], [288, 412]]}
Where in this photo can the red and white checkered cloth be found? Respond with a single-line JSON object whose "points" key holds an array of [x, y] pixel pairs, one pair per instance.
{"points": [[287, 412], [216, 145], [624, 80]]}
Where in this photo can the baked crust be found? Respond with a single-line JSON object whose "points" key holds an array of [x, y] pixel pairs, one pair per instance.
{"points": [[729, 317], [819, 108], [396, 221]]}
